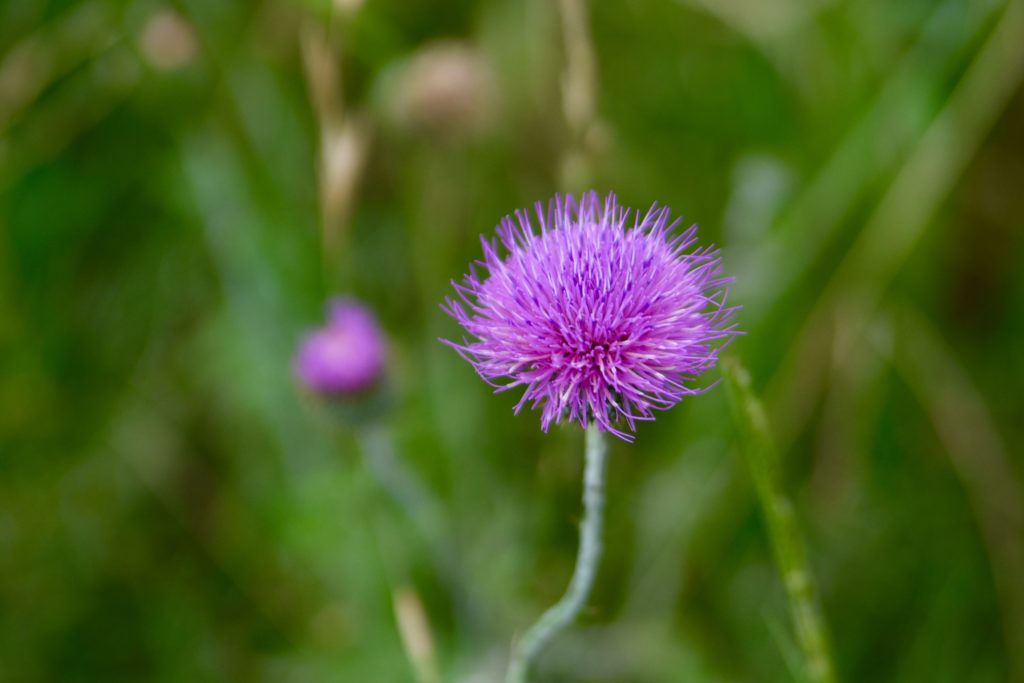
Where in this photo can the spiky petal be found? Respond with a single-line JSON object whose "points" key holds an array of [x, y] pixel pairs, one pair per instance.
{"points": [[602, 315]]}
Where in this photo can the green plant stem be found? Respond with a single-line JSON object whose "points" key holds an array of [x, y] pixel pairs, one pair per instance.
{"points": [[426, 515], [786, 539], [565, 611]]}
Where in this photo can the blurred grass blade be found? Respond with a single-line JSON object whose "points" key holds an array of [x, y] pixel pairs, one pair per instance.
{"points": [[904, 213], [579, 94], [417, 638], [37, 61], [967, 431], [880, 137], [787, 543]]}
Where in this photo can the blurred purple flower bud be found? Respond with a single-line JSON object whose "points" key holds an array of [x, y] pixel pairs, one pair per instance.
{"points": [[346, 356]]}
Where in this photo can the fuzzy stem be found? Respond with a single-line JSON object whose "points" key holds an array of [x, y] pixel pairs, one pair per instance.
{"points": [[565, 611], [783, 529]]}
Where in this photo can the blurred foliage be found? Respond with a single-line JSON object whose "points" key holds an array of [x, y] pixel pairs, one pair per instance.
{"points": [[172, 507]]}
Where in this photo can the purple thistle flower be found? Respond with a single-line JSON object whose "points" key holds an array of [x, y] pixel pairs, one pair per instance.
{"points": [[344, 357], [599, 320]]}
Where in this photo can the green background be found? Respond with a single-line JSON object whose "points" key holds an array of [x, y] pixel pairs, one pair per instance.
{"points": [[174, 508]]}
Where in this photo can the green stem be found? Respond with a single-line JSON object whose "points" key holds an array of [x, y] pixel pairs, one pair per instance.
{"points": [[565, 611], [783, 529], [426, 515]]}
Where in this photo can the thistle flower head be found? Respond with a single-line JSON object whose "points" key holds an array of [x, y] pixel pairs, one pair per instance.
{"points": [[602, 315], [346, 356]]}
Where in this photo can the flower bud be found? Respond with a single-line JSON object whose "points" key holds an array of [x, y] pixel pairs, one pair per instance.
{"points": [[447, 87], [344, 357]]}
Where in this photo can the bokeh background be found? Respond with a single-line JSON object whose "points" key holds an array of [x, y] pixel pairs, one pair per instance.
{"points": [[184, 184]]}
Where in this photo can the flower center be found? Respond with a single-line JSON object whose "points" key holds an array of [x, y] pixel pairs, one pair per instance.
{"points": [[595, 355]]}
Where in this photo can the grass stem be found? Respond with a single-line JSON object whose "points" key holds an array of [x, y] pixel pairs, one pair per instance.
{"points": [[783, 529]]}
